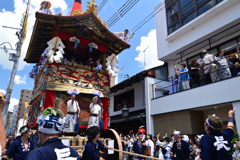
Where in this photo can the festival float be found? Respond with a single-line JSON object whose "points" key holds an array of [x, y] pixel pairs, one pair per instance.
{"points": [[64, 49]]}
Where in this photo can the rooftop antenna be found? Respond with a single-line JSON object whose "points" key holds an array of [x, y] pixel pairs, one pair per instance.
{"points": [[121, 70], [144, 56]]}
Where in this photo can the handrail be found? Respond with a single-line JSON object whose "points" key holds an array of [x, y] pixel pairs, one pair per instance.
{"points": [[200, 78]]}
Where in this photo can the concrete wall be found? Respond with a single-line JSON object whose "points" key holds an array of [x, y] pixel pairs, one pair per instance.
{"points": [[139, 100], [166, 123], [200, 27], [221, 112], [197, 121]]}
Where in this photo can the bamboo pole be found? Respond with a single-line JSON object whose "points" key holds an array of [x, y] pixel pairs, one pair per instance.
{"points": [[139, 155]]}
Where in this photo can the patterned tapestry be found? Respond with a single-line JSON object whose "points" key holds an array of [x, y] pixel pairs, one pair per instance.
{"points": [[84, 100], [62, 78]]}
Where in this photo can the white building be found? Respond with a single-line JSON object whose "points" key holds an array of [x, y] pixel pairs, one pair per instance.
{"points": [[131, 94], [184, 29]]}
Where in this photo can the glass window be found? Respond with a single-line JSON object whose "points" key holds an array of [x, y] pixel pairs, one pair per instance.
{"points": [[206, 7], [173, 28], [199, 2], [213, 51], [27, 96], [229, 45], [169, 2], [186, 6], [172, 14], [188, 18], [219, 1]]}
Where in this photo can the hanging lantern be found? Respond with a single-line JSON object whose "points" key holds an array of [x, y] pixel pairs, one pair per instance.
{"points": [[125, 111]]}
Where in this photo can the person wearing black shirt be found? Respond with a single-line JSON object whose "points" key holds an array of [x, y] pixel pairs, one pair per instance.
{"points": [[194, 73]]}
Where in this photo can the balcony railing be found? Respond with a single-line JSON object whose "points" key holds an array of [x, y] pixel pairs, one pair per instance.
{"points": [[169, 86]]}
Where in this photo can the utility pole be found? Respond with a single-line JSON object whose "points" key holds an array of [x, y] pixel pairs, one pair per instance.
{"points": [[15, 59]]}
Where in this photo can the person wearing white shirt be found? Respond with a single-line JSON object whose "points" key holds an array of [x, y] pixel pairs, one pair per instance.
{"points": [[95, 111], [71, 117], [99, 66], [167, 148], [150, 143], [123, 35], [45, 8]]}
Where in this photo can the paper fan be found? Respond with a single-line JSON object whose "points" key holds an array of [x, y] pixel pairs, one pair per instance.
{"points": [[98, 93], [73, 91]]}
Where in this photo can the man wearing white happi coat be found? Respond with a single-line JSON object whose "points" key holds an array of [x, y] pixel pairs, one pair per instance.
{"points": [[95, 111], [71, 117], [210, 67]]}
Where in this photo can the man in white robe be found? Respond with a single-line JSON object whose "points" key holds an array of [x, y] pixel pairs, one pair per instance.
{"points": [[71, 117], [123, 36], [95, 112], [210, 67]]}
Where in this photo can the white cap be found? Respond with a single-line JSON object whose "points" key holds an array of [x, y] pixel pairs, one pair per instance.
{"points": [[186, 138], [177, 133]]}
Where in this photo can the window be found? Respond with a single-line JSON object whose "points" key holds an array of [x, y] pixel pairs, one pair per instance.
{"points": [[27, 92], [180, 12], [189, 18], [173, 28], [229, 45], [206, 7], [27, 96], [186, 6]]}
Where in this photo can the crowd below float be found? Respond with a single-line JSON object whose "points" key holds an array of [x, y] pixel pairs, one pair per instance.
{"points": [[215, 144]]}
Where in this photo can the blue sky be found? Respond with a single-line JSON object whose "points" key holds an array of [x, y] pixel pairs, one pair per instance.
{"points": [[11, 9]]}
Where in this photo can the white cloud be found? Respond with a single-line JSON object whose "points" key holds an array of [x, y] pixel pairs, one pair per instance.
{"points": [[151, 59], [13, 19], [13, 102], [3, 91], [19, 80]]}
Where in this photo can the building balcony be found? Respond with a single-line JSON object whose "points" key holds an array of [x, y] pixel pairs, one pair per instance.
{"points": [[220, 92]]}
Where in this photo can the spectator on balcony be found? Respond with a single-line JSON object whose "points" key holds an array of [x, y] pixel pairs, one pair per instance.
{"points": [[184, 76], [237, 65], [222, 63], [234, 69], [174, 83], [210, 67], [194, 73], [99, 66]]}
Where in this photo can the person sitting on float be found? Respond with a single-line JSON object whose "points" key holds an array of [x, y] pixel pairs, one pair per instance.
{"points": [[123, 35], [99, 66], [45, 8]]}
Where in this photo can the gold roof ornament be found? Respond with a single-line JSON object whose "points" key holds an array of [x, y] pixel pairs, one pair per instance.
{"points": [[77, 12], [92, 7]]}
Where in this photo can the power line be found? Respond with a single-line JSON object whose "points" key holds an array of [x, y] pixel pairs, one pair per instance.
{"points": [[102, 5], [126, 9], [145, 20], [122, 13], [119, 10]]}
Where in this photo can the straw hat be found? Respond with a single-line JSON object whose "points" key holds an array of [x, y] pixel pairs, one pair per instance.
{"points": [[238, 144], [48, 4]]}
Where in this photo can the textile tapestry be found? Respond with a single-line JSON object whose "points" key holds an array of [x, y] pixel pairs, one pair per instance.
{"points": [[84, 100], [61, 78]]}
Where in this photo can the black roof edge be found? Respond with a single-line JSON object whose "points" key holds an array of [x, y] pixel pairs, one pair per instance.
{"points": [[135, 78]]}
